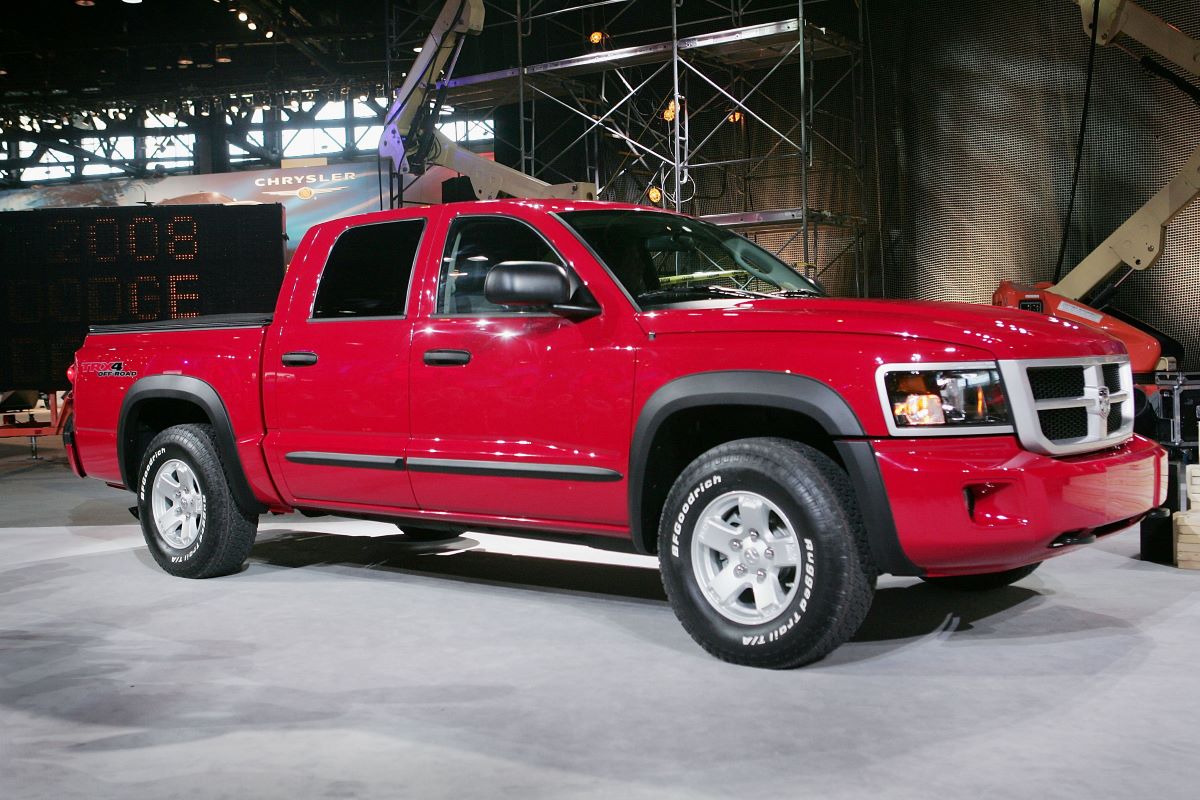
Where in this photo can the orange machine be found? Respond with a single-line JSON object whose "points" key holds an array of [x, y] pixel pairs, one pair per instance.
{"points": [[1138, 242]]}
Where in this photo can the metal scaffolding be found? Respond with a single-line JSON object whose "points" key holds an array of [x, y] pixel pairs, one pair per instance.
{"points": [[753, 124]]}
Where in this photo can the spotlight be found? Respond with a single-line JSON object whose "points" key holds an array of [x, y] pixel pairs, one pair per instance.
{"points": [[597, 37], [243, 16], [269, 34], [669, 112], [417, 49], [735, 116], [251, 26], [655, 195]]}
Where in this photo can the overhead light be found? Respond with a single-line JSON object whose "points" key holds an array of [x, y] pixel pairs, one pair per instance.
{"points": [[243, 16], [251, 26], [222, 57], [417, 49], [269, 34], [597, 37], [132, 2], [655, 195], [85, 3], [184, 60]]}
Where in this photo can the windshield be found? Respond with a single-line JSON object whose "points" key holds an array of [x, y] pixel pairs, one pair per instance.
{"points": [[664, 259]]}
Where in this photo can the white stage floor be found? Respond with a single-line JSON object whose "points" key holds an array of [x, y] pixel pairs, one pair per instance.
{"points": [[356, 665]]}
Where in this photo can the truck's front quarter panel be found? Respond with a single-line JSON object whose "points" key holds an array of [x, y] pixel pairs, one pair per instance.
{"points": [[959, 503]]}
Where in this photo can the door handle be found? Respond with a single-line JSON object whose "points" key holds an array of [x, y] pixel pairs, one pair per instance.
{"points": [[299, 358], [447, 358]]}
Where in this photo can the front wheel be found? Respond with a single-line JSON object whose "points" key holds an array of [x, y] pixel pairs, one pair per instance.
{"points": [[189, 517], [763, 554], [984, 582]]}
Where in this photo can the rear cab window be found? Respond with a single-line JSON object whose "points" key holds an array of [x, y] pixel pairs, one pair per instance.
{"points": [[369, 271]]}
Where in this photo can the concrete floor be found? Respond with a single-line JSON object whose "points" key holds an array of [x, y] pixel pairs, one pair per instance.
{"points": [[340, 666]]}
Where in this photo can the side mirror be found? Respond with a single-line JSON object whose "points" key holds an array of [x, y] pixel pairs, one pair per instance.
{"points": [[534, 284]]}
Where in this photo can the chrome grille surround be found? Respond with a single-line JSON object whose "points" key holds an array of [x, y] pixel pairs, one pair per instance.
{"points": [[1098, 400]]}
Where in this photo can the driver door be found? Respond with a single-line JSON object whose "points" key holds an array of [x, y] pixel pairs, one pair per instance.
{"points": [[517, 413]]}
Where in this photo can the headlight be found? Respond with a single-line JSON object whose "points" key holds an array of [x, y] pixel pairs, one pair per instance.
{"points": [[944, 399]]}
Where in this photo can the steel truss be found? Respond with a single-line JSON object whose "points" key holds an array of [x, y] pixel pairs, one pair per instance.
{"points": [[208, 135], [729, 127]]}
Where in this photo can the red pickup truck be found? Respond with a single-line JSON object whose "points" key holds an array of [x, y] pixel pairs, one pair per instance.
{"points": [[627, 378]]}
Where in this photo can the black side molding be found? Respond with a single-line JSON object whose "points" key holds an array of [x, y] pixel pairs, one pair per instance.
{"points": [[513, 469], [345, 460], [201, 395]]}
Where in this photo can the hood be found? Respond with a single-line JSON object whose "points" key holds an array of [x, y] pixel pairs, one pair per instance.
{"points": [[1005, 332]]}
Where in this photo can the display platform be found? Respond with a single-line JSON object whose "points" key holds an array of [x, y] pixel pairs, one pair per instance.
{"points": [[360, 666]]}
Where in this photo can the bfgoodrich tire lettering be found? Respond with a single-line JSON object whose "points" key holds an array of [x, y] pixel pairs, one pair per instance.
{"points": [[189, 518], [763, 554]]}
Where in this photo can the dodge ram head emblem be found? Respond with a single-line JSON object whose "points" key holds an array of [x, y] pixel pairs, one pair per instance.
{"points": [[1103, 403]]}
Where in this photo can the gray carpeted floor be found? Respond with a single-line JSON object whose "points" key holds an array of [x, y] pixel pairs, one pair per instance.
{"points": [[340, 666]]}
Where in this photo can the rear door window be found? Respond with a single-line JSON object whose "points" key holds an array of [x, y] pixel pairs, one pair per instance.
{"points": [[369, 271]]}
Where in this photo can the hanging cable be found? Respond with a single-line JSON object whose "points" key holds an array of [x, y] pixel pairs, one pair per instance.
{"points": [[1083, 117]]}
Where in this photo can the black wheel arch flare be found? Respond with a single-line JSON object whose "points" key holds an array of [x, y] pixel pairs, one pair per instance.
{"points": [[796, 393], [200, 394]]}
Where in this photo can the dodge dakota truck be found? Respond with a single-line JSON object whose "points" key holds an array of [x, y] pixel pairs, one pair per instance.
{"points": [[629, 378]]}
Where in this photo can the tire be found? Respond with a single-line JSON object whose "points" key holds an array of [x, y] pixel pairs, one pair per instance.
{"points": [[816, 578], [983, 582], [203, 532]]}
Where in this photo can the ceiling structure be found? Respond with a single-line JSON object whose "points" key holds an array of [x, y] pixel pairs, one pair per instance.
{"points": [[63, 53], [71, 55]]}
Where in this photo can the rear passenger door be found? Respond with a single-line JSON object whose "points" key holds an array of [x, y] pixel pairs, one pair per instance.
{"points": [[337, 370]]}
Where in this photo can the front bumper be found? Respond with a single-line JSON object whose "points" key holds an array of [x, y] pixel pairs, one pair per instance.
{"points": [[983, 504]]}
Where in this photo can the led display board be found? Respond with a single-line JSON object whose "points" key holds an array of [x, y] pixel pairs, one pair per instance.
{"points": [[64, 269]]}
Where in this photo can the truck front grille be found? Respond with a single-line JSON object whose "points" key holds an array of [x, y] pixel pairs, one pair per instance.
{"points": [[1049, 383], [1063, 423], [1067, 406]]}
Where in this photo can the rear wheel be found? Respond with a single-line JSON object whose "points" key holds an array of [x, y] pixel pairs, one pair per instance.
{"points": [[189, 518], [985, 581], [763, 554]]}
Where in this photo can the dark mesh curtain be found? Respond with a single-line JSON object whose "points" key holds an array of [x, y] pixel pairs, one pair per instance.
{"points": [[978, 111]]}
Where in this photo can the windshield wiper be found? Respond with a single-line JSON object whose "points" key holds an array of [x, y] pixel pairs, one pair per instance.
{"points": [[703, 291], [796, 293]]}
